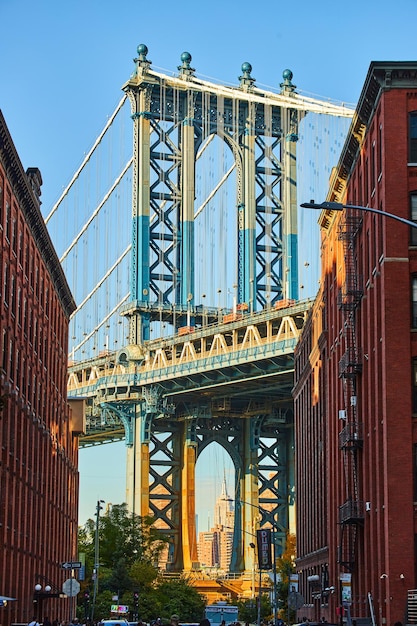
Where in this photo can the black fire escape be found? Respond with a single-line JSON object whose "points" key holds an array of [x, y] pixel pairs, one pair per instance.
{"points": [[351, 512]]}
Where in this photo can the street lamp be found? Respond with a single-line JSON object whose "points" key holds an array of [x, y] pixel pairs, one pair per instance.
{"points": [[41, 593], [274, 556], [96, 556], [338, 206]]}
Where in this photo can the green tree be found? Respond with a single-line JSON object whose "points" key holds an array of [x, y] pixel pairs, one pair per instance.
{"points": [[129, 550], [285, 567], [179, 597], [248, 609]]}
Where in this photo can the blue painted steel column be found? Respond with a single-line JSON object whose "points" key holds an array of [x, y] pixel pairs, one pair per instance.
{"points": [[291, 220], [187, 207], [290, 123], [139, 91], [141, 211], [249, 213]]}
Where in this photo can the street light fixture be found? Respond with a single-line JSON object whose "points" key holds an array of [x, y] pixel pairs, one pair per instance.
{"points": [[41, 593], [339, 206]]}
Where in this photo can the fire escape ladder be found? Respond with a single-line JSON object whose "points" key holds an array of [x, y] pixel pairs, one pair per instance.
{"points": [[346, 548], [351, 512]]}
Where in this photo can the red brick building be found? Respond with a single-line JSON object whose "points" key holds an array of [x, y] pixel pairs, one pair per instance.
{"points": [[356, 372], [39, 447]]}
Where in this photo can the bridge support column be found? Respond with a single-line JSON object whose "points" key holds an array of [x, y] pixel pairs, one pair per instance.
{"points": [[251, 514], [290, 196], [189, 534], [137, 467], [249, 212], [188, 194]]}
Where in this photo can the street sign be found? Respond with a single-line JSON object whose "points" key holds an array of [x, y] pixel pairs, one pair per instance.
{"points": [[71, 587], [72, 565], [295, 600]]}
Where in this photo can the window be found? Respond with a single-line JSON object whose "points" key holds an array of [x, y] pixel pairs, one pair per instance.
{"points": [[8, 217], [414, 301], [380, 151], [415, 472], [366, 194], [412, 130], [373, 167], [413, 218]]}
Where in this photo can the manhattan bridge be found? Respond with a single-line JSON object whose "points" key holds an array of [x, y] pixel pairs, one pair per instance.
{"points": [[179, 236]]}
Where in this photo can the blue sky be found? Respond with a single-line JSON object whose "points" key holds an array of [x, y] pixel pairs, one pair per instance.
{"points": [[63, 64]]}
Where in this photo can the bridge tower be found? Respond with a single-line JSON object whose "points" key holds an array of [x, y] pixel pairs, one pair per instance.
{"points": [[172, 118], [221, 376]]}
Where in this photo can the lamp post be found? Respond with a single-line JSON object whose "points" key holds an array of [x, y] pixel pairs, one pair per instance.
{"points": [[41, 593], [274, 563], [338, 206], [96, 556]]}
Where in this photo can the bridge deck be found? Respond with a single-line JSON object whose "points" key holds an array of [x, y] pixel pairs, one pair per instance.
{"points": [[251, 357]]}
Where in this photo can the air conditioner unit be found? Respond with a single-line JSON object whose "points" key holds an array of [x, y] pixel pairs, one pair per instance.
{"points": [[367, 506], [352, 400], [342, 414]]}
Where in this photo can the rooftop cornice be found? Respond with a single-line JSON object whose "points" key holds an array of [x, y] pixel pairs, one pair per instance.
{"points": [[30, 207]]}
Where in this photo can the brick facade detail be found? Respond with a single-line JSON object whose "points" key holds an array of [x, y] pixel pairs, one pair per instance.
{"points": [[355, 422], [38, 446]]}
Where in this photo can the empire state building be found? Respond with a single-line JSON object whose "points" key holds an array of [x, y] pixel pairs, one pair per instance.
{"points": [[215, 546], [224, 509]]}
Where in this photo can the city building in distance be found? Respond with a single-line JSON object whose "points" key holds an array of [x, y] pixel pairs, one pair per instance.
{"points": [[38, 429], [355, 372], [215, 545]]}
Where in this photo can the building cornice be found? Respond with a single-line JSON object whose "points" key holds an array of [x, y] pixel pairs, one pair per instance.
{"points": [[29, 204], [382, 76]]}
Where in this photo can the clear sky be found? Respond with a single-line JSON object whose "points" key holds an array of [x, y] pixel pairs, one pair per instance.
{"points": [[63, 64]]}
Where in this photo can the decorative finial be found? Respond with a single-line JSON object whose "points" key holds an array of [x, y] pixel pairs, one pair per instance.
{"points": [[142, 63], [185, 69], [287, 85], [142, 50], [246, 80]]}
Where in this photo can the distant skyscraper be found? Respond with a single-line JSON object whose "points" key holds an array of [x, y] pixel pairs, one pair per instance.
{"points": [[215, 546], [223, 507]]}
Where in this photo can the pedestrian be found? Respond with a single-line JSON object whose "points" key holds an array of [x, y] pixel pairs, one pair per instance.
{"points": [[175, 620], [205, 622]]}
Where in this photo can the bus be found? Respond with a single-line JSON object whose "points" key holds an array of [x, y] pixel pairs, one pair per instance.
{"points": [[216, 613]]}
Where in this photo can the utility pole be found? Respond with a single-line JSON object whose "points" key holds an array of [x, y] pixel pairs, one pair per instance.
{"points": [[274, 537], [96, 556]]}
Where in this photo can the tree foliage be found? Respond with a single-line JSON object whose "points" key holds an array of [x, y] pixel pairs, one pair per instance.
{"points": [[285, 567], [129, 551], [248, 609]]}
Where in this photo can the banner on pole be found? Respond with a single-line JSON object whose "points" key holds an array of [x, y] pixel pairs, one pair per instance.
{"points": [[264, 548]]}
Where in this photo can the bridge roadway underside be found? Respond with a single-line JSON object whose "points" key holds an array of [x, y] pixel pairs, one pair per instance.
{"points": [[228, 383]]}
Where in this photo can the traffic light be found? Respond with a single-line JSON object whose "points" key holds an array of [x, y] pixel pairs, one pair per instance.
{"points": [[135, 604], [86, 603]]}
